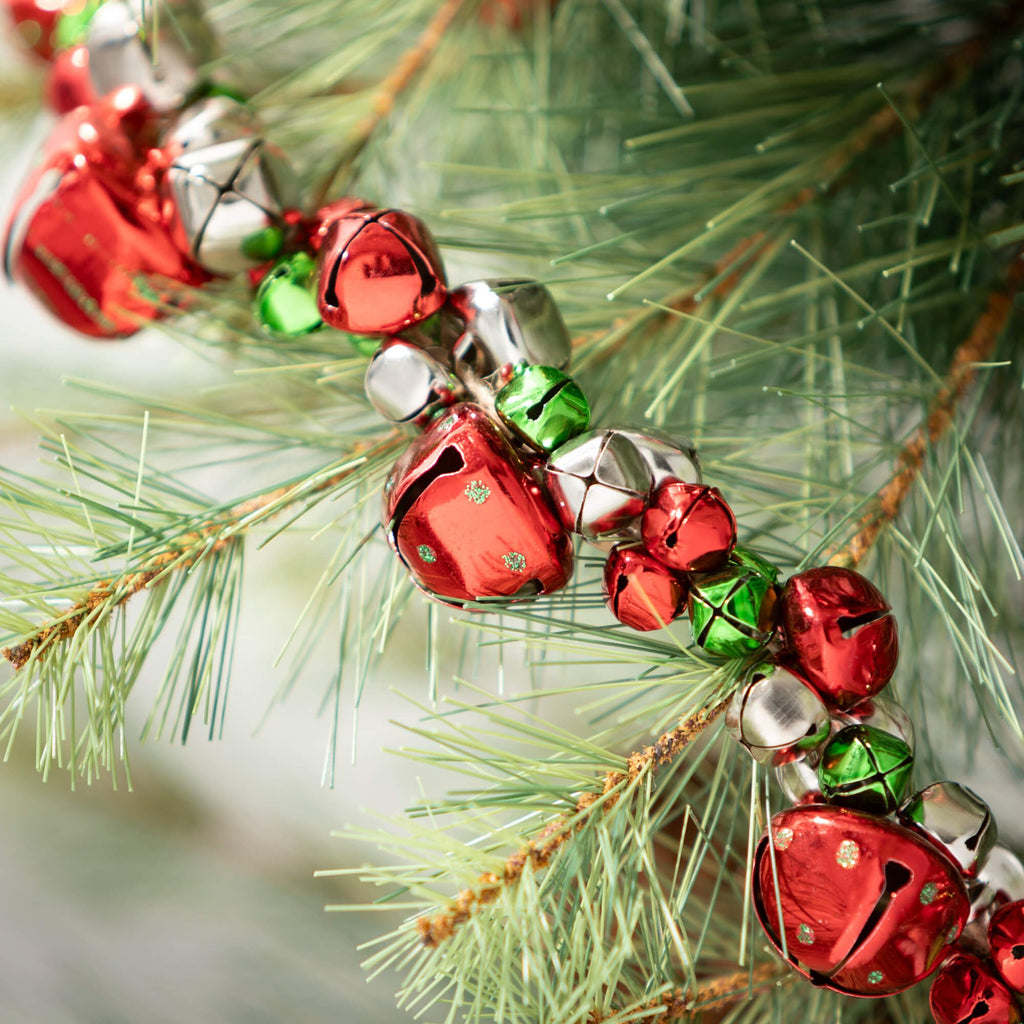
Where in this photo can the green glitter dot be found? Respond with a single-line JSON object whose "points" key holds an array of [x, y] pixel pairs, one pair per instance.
{"points": [[951, 935], [426, 553], [928, 891], [478, 493], [783, 837], [848, 854], [805, 934], [515, 561], [874, 977]]}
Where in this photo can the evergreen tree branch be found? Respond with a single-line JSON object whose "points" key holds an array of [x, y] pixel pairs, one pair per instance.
{"points": [[184, 553], [727, 273], [538, 852], [719, 993], [391, 89], [976, 348]]}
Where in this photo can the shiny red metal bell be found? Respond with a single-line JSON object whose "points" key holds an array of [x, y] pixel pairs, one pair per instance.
{"points": [[36, 22], [839, 634], [1006, 943], [68, 84], [468, 520], [867, 906], [639, 591], [967, 989], [689, 527], [379, 271], [88, 234]]}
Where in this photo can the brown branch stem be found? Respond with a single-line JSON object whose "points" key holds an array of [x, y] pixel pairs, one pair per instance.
{"points": [[182, 555], [976, 348], [409, 64], [713, 993], [743, 256], [539, 851]]}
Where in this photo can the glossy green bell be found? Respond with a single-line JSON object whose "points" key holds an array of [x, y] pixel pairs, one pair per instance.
{"points": [[866, 769], [731, 610], [544, 406], [285, 302]]}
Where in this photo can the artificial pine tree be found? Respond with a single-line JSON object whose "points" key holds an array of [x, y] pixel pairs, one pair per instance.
{"points": [[786, 230]]}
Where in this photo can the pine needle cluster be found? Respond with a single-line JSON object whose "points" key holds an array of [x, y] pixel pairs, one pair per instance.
{"points": [[787, 229]]}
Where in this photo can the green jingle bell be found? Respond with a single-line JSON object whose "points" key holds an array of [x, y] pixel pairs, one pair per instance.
{"points": [[732, 611], [285, 301], [544, 406], [866, 769]]}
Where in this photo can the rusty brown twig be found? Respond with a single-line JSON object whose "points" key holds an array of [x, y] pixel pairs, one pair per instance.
{"points": [[185, 552], [976, 348], [713, 993], [538, 852], [391, 89]]}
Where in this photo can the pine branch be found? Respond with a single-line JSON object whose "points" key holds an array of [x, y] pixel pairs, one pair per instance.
{"points": [[390, 91], [714, 993], [727, 272], [538, 852], [183, 555], [975, 349]]}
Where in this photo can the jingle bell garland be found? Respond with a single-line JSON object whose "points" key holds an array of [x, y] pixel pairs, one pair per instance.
{"points": [[830, 628], [156, 180]]}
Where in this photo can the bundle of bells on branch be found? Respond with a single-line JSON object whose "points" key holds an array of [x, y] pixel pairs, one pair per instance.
{"points": [[153, 179], [861, 887], [156, 179]]}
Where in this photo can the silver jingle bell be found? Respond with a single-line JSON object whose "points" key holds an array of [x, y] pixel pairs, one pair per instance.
{"points": [[405, 384], [667, 457], [599, 483], [798, 780], [122, 51], [880, 713], [228, 187], [1000, 880], [777, 717], [505, 323], [955, 819]]}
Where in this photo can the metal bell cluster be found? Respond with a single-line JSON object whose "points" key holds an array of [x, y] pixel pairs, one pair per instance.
{"points": [[153, 178], [864, 886]]}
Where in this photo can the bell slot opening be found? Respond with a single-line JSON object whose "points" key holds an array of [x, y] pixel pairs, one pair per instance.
{"points": [[537, 409], [851, 624], [897, 877], [448, 462]]}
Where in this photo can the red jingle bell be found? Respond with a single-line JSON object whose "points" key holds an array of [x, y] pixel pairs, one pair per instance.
{"points": [[839, 634], [1006, 943], [639, 591], [966, 989], [69, 85], [866, 906], [36, 22], [88, 234], [467, 518], [379, 271], [689, 527]]}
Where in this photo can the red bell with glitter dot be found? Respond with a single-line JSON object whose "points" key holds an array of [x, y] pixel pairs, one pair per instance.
{"points": [[689, 527], [379, 271], [36, 22], [966, 989], [839, 634], [468, 519], [866, 906], [1006, 943], [88, 234], [639, 591]]}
